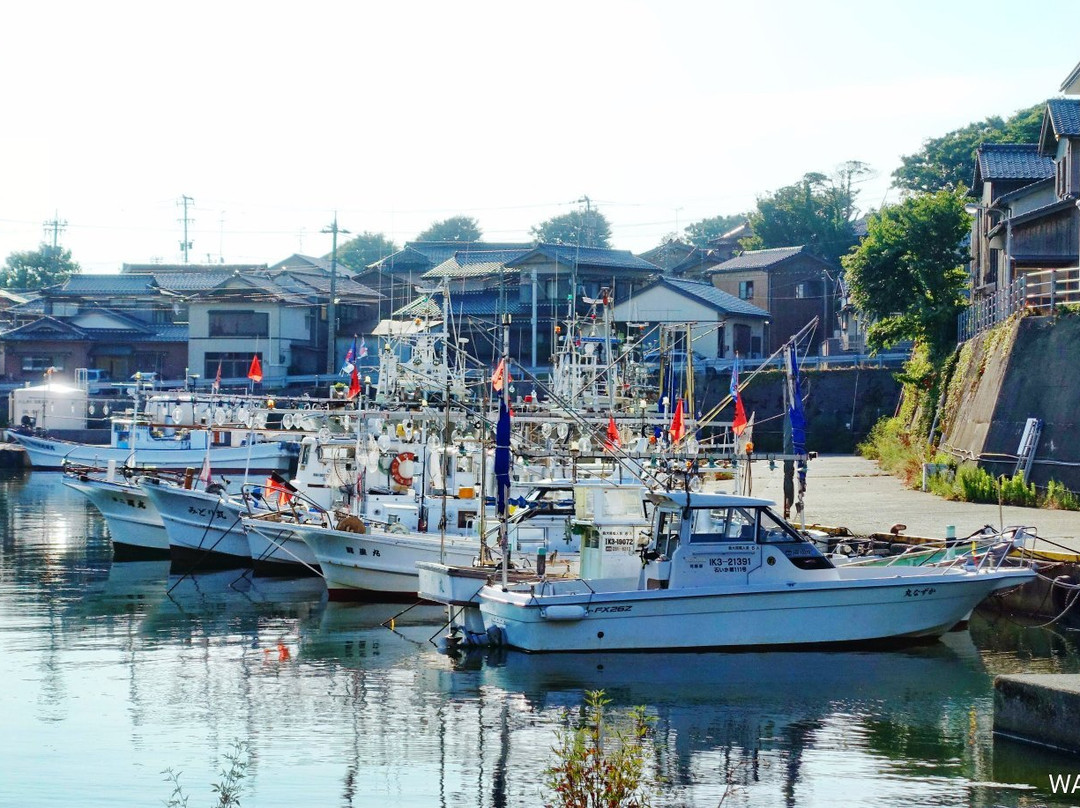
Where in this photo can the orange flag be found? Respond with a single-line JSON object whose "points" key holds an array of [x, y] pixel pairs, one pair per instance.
{"points": [[678, 429], [612, 441], [255, 371]]}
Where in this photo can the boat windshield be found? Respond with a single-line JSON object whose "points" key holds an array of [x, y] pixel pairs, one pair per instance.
{"points": [[739, 525], [723, 524]]}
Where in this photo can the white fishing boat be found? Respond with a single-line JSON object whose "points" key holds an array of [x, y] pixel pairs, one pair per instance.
{"points": [[143, 445], [135, 526], [726, 571], [203, 526]]}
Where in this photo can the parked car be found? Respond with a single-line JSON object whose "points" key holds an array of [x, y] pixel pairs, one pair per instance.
{"points": [[676, 361]]}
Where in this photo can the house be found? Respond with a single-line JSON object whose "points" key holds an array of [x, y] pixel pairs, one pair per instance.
{"points": [[117, 323], [791, 284], [723, 325], [538, 286], [671, 253], [187, 320], [1011, 179], [697, 264], [396, 276]]}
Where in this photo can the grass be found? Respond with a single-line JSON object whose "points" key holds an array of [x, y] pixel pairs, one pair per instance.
{"points": [[228, 788]]}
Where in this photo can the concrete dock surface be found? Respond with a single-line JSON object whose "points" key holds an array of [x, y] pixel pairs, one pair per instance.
{"points": [[853, 492], [1040, 708]]}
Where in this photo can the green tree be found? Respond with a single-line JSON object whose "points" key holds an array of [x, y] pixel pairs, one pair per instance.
{"points": [[456, 228], [365, 249], [701, 233], [584, 228], [35, 269], [948, 162], [816, 212], [908, 273]]}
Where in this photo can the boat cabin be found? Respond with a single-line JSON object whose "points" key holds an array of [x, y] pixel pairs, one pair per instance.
{"points": [[719, 539]]}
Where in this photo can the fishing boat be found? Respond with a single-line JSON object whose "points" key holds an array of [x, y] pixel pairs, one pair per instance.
{"points": [[135, 526], [136, 443], [724, 571]]}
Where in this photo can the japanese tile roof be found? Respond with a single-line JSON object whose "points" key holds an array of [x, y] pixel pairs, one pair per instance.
{"points": [[1064, 115], [427, 254], [1012, 161], [484, 303], [759, 259], [187, 282], [474, 264], [33, 331], [711, 296], [572, 255], [84, 284]]}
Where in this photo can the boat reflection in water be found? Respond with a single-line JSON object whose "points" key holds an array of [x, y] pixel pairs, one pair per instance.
{"points": [[772, 723]]}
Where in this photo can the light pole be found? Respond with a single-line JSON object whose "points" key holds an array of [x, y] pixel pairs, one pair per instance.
{"points": [[331, 308]]}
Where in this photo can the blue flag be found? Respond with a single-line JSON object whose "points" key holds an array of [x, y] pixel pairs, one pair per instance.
{"points": [[502, 458]]}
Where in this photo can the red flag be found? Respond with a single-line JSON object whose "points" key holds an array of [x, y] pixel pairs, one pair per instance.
{"points": [[612, 441], [217, 379], [354, 383], [500, 376], [738, 426], [678, 429], [255, 371]]}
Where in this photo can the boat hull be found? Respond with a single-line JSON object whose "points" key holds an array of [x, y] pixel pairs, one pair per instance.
{"points": [[277, 552], [135, 526], [378, 566], [205, 530], [856, 609], [52, 454]]}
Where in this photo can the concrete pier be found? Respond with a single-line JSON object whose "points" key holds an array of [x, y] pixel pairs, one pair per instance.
{"points": [[1039, 708]]}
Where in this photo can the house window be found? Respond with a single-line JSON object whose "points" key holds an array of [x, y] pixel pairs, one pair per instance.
{"points": [[39, 364], [229, 323], [802, 291], [746, 290], [233, 365]]}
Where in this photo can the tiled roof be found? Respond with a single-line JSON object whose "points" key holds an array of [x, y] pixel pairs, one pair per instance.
{"points": [[1013, 161], [711, 296], [431, 253], [473, 264], [187, 282], [759, 259], [1064, 116], [83, 284], [572, 255]]}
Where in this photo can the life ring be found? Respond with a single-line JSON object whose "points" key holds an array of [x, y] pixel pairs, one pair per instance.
{"points": [[400, 477]]}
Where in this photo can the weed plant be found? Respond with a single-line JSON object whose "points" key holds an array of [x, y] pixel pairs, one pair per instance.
{"points": [[600, 766]]}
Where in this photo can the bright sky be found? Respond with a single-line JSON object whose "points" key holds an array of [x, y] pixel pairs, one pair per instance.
{"points": [[273, 115]]}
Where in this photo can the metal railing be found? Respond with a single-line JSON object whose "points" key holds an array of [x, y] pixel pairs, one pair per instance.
{"points": [[1040, 292]]}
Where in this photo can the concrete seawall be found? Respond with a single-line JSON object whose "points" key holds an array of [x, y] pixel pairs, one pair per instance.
{"points": [[1022, 369], [1039, 708]]}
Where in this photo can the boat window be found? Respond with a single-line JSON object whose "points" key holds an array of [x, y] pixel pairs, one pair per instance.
{"points": [[667, 532], [774, 530], [710, 525], [742, 525], [305, 455]]}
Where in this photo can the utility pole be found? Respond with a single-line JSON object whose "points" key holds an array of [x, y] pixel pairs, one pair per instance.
{"points": [[56, 226], [185, 245], [331, 309]]}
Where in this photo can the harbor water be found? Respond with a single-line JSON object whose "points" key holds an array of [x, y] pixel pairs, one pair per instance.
{"points": [[116, 673]]}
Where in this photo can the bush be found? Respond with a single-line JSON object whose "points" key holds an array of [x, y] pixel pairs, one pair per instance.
{"points": [[1060, 498], [599, 767]]}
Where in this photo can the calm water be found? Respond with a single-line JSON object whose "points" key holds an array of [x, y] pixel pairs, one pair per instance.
{"points": [[112, 673]]}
